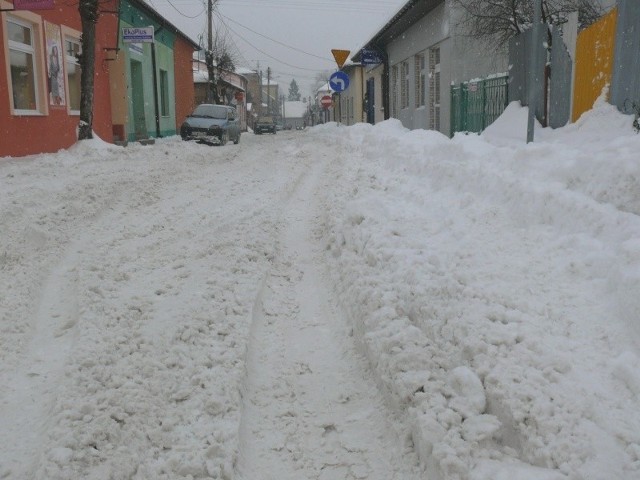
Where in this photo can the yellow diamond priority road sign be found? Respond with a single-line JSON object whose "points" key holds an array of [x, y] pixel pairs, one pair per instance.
{"points": [[340, 56]]}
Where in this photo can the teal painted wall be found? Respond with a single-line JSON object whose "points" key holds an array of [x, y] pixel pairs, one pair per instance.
{"points": [[131, 16]]}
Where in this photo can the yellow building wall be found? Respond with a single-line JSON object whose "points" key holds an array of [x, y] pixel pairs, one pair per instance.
{"points": [[594, 62]]}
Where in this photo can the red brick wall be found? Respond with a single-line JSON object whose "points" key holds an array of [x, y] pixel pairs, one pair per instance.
{"points": [[25, 135], [185, 94]]}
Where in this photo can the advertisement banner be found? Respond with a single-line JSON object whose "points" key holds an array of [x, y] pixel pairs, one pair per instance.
{"points": [[55, 70]]}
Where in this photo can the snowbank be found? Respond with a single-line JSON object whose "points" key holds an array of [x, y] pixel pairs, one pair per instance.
{"points": [[491, 285]]}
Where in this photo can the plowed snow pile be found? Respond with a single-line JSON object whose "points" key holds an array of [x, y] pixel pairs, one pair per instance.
{"points": [[487, 292]]}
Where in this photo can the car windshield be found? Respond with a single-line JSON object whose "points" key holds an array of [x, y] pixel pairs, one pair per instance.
{"points": [[210, 111]]}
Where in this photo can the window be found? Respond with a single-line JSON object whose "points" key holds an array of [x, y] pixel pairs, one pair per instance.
{"points": [[420, 79], [22, 63], [164, 93], [72, 49], [404, 85], [434, 90]]}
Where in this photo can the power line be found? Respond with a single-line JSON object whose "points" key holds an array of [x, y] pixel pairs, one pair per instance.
{"points": [[276, 41], [362, 6], [176, 9], [366, 7], [268, 55]]}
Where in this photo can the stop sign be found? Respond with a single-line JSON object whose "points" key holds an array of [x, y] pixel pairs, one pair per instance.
{"points": [[326, 101]]}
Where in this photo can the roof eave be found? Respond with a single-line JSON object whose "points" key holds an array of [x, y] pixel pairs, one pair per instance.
{"points": [[410, 13]]}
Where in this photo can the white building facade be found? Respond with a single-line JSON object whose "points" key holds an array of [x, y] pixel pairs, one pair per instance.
{"points": [[425, 54]]}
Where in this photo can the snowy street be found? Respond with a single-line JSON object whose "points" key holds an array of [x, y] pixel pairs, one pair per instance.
{"points": [[351, 303]]}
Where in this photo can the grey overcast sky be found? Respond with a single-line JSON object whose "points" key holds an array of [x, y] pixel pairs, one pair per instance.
{"points": [[293, 38]]}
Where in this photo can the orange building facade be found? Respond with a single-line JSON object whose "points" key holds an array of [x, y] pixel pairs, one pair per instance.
{"points": [[40, 78]]}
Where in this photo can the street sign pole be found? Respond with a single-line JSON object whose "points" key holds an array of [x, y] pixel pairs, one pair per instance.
{"points": [[533, 66]]}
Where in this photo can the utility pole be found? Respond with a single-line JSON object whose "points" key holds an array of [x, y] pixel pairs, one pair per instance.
{"points": [[208, 55], [269, 90], [283, 110], [533, 68], [261, 90]]}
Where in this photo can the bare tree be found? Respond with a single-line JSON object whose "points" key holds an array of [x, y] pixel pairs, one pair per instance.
{"points": [[89, 14], [496, 21], [321, 79], [219, 54]]}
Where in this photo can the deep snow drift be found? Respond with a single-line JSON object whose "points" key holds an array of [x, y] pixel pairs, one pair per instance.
{"points": [[492, 288]]}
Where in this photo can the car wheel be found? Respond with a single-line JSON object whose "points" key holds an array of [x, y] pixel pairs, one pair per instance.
{"points": [[224, 138]]}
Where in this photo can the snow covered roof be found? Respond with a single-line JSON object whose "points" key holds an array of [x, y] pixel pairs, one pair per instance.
{"points": [[294, 109], [325, 88]]}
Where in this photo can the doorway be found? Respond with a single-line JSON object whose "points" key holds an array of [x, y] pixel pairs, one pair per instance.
{"points": [[371, 101], [137, 99]]}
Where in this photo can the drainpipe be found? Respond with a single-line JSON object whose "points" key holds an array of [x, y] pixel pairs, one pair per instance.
{"points": [[385, 84], [155, 81]]}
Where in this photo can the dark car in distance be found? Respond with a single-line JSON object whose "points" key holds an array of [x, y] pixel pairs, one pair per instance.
{"points": [[211, 124], [264, 124]]}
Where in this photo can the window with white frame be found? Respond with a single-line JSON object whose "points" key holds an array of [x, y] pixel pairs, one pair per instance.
{"points": [[404, 85], [72, 49], [22, 40], [434, 90], [420, 79]]}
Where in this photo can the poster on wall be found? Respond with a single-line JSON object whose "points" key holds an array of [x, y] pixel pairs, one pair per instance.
{"points": [[55, 74]]}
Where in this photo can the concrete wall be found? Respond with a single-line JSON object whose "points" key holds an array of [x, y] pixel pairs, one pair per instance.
{"points": [[350, 109]]}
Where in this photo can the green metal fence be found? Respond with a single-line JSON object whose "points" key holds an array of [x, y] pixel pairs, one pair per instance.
{"points": [[475, 105]]}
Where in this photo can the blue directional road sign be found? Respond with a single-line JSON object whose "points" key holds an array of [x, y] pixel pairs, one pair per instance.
{"points": [[339, 81]]}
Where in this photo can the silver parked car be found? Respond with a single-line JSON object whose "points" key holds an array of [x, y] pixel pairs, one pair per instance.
{"points": [[211, 124]]}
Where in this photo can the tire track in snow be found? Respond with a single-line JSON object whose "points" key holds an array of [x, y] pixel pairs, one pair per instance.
{"points": [[310, 407], [23, 423]]}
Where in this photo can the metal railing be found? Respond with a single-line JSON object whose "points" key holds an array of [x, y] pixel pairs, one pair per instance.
{"points": [[476, 104]]}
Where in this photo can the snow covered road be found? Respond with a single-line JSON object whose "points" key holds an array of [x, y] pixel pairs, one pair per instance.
{"points": [[129, 284], [339, 303], [311, 408]]}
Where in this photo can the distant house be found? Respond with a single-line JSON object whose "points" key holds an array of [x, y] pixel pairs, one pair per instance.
{"points": [[424, 50], [232, 89], [322, 114], [294, 113], [349, 104], [270, 98]]}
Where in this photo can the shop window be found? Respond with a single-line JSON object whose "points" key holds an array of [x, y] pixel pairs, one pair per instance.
{"points": [[22, 38], [72, 49]]}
